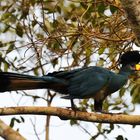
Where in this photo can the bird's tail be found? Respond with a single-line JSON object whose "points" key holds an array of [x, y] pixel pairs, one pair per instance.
{"points": [[12, 82]]}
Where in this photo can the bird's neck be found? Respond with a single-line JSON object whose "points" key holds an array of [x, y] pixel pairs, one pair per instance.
{"points": [[124, 74], [125, 71]]}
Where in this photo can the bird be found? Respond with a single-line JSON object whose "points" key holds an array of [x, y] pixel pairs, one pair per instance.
{"points": [[82, 83]]}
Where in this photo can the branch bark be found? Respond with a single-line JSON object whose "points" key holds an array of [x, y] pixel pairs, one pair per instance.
{"points": [[132, 9], [70, 114], [8, 133]]}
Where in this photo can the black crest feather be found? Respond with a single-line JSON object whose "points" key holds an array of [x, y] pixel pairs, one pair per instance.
{"points": [[130, 57]]}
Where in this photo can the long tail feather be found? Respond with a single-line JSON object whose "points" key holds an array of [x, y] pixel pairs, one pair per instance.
{"points": [[12, 82]]}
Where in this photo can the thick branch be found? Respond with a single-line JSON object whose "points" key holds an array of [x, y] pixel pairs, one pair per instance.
{"points": [[70, 114], [8, 133], [132, 9]]}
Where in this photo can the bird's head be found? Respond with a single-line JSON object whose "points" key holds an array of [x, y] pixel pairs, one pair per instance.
{"points": [[130, 61]]}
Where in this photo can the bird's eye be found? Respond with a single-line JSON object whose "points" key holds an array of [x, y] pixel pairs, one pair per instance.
{"points": [[132, 66]]}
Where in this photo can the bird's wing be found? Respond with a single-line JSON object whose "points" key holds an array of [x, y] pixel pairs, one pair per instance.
{"points": [[87, 82]]}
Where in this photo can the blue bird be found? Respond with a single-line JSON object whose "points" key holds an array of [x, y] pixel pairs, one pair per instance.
{"points": [[90, 82]]}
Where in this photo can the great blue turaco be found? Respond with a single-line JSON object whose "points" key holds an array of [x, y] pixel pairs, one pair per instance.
{"points": [[89, 82]]}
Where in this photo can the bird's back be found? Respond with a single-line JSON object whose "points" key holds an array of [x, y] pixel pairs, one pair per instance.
{"points": [[86, 82]]}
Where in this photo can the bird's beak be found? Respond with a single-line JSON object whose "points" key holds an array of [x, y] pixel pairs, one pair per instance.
{"points": [[137, 67]]}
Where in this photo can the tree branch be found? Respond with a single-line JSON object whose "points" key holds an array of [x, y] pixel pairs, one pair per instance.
{"points": [[70, 114], [132, 9], [8, 133]]}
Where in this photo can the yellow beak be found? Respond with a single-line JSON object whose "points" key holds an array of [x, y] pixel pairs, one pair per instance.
{"points": [[137, 67]]}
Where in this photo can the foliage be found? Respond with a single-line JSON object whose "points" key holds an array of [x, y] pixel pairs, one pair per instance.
{"points": [[39, 36]]}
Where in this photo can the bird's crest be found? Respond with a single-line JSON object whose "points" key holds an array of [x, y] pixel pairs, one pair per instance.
{"points": [[130, 57]]}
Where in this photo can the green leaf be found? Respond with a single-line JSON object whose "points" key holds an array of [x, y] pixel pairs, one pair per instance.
{"points": [[120, 137], [5, 16], [36, 71], [22, 68], [19, 30], [1, 44], [54, 62], [99, 126], [112, 126], [135, 94], [122, 91], [22, 119], [34, 22], [10, 48], [113, 9], [58, 9], [6, 66], [55, 23], [101, 8], [13, 120], [73, 122], [101, 50]]}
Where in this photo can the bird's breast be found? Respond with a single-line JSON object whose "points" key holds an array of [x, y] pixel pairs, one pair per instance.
{"points": [[102, 94]]}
